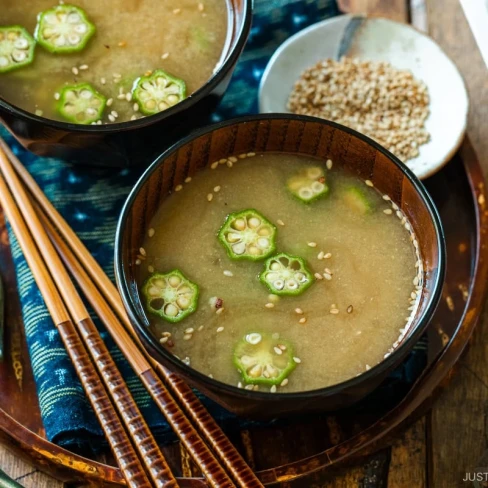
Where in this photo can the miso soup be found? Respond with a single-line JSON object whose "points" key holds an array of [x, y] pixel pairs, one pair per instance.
{"points": [[279, 272], [93, 62]]}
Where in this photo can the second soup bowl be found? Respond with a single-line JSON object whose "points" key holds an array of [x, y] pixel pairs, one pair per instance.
{"points": [[306, 136]]}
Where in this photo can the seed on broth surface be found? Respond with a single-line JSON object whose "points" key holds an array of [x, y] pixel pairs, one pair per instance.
{"points": [[269, 305]]}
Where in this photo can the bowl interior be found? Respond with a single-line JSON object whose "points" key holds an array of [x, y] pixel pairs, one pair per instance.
{"points": [[300, 135]]}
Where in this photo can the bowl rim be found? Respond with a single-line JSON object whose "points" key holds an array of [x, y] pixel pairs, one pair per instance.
{"points": [[418, 327], [208, 87]]}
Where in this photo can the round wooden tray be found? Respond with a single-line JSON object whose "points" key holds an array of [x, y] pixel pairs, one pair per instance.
{"points": [[299, 447]]}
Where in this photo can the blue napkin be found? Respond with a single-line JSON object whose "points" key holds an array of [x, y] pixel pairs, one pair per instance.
{"points": [[90, 200]]}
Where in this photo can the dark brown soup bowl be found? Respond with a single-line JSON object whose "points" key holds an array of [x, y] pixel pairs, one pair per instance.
{"points": [[138, 141], [293, 134]]}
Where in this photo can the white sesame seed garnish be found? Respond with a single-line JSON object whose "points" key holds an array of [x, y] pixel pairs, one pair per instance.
{"points": [[277, 350], [280, 222], [187, 337], [219, 311], [109, 102], [83, 67], [299, 311], [165, 56], [302, 320], [222, 161], [142, 251], [150, 269], [350, 309], [416, 281], [214, 165], [111, 118], [334, 311], [103, 81], [232, 159], [117, 75], [121, 96], [114, 113], [188, 179], [133, 117], [242, 156], [388, 211], [216, 189], [128, 96], [210, 197], [369, 183], [220, 329], [228, 273], [312, 244], [210, 375], [386, 197], [327, 255], [328, 271], [273, 389], [327, 276], [176, 10], [229, 164], [368, 367], [57, 96], [239, 385], [135, 107], [320, 255], [163, 340], [151, 232], [297, 360], [269, 305], [251, 154], [74, 70], [201, 7], [122, 44], [399, 214], [200, 328], [318, 276], [249, 387], [190, 330], [178, 187], [329, 163], [284, 382], [39, 112]]}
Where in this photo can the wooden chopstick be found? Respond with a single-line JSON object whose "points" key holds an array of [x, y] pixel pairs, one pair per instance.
{"points": [[194, 409], [139, 432], [204, 458], [119, 441]]}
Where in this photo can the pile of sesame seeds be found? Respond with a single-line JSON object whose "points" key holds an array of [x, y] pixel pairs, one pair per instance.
{"points": [[385, 103]]}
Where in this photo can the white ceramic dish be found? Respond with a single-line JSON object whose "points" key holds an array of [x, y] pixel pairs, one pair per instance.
{"points": [[378, 40]]}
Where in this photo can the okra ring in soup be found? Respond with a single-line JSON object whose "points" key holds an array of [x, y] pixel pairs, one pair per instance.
{"points": [[63, 29], [248, 235], [16, 48], [308, 184], [170, 296], [81, 104], [284, 274], [158, 91], [263, 360]]}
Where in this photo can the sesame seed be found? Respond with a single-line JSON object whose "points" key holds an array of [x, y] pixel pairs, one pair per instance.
{"points": [[269, 305], [223, 161], [320, 255], [242, 156], [179, 187], [128, 96], [318, 276], [350, 309], [117, 75], [122, 44], [368, 367], [328, 163], [114, 113], [327, 276], [151, 232], [239, 385], [386, 197], [297, 360], [369, 183], [280, 222], [176, 10], [216, 189], [251, 154], [394, 206], [109, 102], [232, 159], [328, 271], [135, 107], [57, 96], [302, 320], [388, 211], [210, 197], [273, 389], [327, 255], [416, 281], [277, 350], [187, 337], [200, 328], [214, 165], [39, 112], [220, 329], [74, 69], [165, 56], [399, 214], [334, 311], [133, 117], [312, 244], [188, 179], [83, 67], [121, 96], [201, 7], [163, 340], [284, 382], [142, 251], [219, 310], [299, 311], [190, 330], [228, 273], [103, 81], [150, 269], [210, 375], [111, 118], [249, 387], [230, 164]]}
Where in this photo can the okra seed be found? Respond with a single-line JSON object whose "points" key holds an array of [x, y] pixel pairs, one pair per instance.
{"points": [[277, 350], [171, 310], [253, 338]]}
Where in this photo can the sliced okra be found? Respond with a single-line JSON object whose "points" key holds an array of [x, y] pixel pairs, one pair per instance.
{"points": [[262, 360], [63, 29], [81, 104], [170, 296], [248, 235], [16, 48], [157, 92], [358, 200], [286, 275], [308, 184]]}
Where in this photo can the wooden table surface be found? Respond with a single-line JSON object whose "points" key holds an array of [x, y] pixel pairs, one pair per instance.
{"points": [[452, 439]]}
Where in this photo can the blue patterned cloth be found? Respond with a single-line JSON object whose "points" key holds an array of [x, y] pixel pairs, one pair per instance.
{"points": [[90, 200]]}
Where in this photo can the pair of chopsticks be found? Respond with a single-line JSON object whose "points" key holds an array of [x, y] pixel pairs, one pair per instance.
{"points": [[57, 243]]}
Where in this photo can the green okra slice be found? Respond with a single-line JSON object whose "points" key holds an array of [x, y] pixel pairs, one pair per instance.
{"points": [[63, 29], [357, 199], [308, 184], [248, 235], [157, 92], [263, 360], [81, 103], [16, 48], [170, 296], [284, 274]]}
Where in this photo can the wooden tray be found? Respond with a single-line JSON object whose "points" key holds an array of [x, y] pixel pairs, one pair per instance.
{"points": [[292, 451]]}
